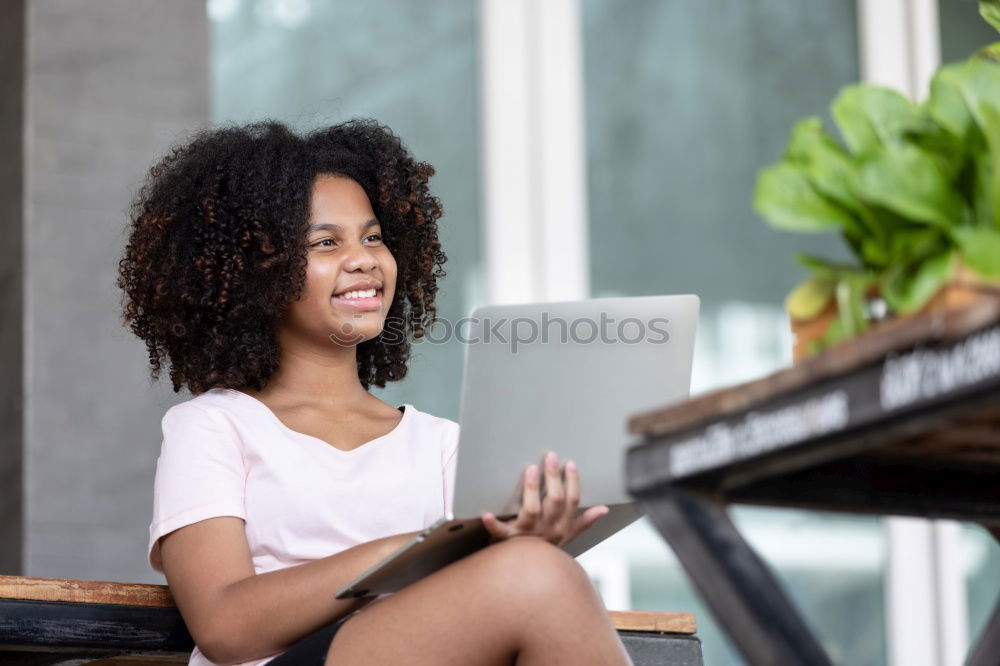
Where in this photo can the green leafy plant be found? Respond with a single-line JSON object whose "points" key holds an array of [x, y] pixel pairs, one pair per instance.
{"points": [[913, 189]]}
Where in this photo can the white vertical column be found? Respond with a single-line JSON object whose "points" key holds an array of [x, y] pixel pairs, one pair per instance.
{"points": [[925, 593], [913, 634], [533, 156], [508, 200], [562, 159], [926, 616], [925, 45], [899, 42], [953, 604], [883, 43]]}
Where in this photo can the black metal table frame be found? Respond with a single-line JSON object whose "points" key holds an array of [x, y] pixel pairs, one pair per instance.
{"points": [[820, 447]]}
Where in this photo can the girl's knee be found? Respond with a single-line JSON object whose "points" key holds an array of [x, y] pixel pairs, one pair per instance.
{"points": [[537, 566]]}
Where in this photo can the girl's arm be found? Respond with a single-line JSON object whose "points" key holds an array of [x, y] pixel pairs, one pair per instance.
{"points": [[233, 614]]}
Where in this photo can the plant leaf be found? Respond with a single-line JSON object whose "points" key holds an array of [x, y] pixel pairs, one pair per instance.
{"points": [[803, 136], [988, 52], [786, 199], [873, 253], [834, 333], [965, 99], [824, 267], [850, 294], [810, 297], [980, 248], [908, 288], [871, 117], [829, 168], [946, 103], [986, 195], [990, 10], [945, 146], [915, 244], [961, 91], [909, 181]]}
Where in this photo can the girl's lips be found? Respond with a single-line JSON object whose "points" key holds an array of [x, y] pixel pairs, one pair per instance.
{"points": [[361, 304]]}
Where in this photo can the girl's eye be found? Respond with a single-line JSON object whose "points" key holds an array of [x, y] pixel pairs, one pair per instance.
{"points": [[377, 237]]}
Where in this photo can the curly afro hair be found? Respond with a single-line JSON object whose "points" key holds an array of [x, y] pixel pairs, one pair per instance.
{"points": [[217, 248]]}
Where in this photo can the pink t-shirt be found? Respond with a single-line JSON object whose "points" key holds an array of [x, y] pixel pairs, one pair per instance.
{"points": [[225, 453]]}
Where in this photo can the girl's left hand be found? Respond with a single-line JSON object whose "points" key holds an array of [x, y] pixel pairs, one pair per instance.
{"points": [[555, 518]]}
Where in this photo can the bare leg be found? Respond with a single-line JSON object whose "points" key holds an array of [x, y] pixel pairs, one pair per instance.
{"points": [[520, 601]]}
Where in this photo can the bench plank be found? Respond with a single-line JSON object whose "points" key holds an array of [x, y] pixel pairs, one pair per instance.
{"points": [[143, 594], [84, 591], [663, 623]]}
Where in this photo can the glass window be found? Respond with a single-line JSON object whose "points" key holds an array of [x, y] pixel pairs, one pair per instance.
{"points": [[685, 101], [963, 30], [411, 66]]}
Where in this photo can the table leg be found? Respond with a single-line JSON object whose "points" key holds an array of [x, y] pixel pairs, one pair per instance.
{"points": [[735, 583]]}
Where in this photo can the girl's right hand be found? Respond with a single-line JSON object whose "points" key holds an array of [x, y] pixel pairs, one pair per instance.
{"points": [[555, 518]]}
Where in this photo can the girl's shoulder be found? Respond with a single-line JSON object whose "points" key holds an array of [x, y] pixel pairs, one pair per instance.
{"points": [[213, 400], [218, 409], [443, 430], [429, 421]]}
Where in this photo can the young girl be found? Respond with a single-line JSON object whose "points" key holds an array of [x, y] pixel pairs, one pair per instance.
{"points": [[280, 276]]}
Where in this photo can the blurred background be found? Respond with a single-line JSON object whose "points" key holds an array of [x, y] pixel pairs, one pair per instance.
{"points": [[584, 148]]}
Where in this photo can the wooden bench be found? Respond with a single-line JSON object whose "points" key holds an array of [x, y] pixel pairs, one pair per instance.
{"points": [[47, 621]]}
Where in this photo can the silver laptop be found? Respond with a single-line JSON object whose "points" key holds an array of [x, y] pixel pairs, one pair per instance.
{"points": [[561, 376]]}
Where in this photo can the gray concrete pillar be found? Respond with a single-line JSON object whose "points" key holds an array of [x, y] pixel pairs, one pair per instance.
{"points": [[108, 86], [12, 45]]}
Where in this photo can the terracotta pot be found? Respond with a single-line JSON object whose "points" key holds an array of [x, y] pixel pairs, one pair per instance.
{"points": [[964, 288]]}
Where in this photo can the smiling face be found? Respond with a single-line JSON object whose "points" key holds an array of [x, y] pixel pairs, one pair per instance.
{"points": [[351, 274]]}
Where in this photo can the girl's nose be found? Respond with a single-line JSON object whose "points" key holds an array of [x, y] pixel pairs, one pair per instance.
{"points": [[361, 258]]}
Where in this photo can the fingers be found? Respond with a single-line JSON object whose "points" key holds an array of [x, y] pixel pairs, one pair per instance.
{"points": [[531, 503], [554, 504], [553, 518], [527, 519], [585, 520], [498, 530], [572, 475]]}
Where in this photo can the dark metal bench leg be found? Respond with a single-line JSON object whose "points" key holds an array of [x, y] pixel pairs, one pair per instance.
{"points": [[648, 649], [737, 586]]}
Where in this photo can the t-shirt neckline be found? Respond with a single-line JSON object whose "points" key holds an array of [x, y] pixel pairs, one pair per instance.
{"points": [[408, 408]]}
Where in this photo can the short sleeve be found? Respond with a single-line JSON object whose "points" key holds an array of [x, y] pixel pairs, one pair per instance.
{"points": [[200, 473], [450, 455]]}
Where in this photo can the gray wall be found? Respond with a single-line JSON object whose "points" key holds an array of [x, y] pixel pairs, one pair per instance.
{"points": [[110, 85]]}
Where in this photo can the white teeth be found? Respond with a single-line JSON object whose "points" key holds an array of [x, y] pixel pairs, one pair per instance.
{"points": [[367, 293]]}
